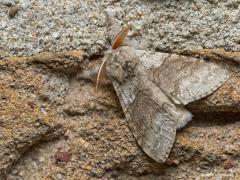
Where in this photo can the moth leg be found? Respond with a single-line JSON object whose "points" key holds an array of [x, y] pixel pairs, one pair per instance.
{"points": [[89, 74]]}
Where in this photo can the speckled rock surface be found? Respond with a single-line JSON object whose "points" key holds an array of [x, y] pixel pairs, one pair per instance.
{"points": [[53, 125], [41, 101], [69, 24]]}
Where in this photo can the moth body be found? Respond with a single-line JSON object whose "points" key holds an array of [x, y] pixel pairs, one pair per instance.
{"points": [[153, 89]]}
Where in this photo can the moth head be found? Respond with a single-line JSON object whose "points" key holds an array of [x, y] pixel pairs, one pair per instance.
{"points": [[117, 42], [121, 64]]}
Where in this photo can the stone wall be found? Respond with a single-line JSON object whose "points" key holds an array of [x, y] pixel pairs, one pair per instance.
{"points": [[53, 125]]}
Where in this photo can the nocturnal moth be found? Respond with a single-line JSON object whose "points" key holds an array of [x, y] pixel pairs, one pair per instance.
{"points": [[153, 89]]}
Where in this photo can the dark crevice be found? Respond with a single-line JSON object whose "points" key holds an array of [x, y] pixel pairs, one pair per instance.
{"points": [[215, 118]]}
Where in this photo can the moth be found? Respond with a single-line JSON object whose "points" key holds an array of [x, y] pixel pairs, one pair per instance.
{"points": [[153, 89]]}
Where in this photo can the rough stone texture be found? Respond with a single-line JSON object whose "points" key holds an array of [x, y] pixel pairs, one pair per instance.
{"points": [[96, 134], [69, 24], [213, 54], [45, 108], [25, 120]]}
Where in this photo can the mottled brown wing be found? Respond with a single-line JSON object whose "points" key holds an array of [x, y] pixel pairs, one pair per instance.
{"points": [[152, 116], [184, 79]]}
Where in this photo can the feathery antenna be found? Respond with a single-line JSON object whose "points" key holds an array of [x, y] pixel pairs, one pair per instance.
{"points": [[117, 42], [101, 74], [120, 37]]}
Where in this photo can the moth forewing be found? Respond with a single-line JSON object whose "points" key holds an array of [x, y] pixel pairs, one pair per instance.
{"points": [[152, 116], [184, 79]]}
